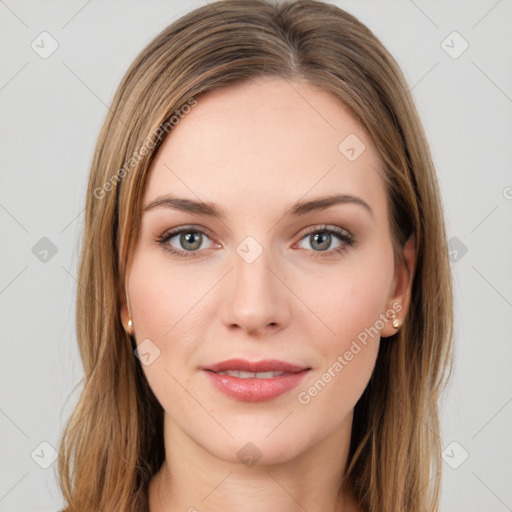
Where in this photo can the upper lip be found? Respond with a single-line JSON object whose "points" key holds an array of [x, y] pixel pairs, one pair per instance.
{"points": [[267, 365]]}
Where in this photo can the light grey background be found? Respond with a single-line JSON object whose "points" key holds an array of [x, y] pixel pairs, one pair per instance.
{"points": [[51, 113]]}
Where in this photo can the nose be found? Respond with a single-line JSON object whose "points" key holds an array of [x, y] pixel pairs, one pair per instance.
{"points": [[254, 298]]}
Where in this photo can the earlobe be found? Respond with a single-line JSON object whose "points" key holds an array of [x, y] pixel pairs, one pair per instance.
{"points": [[126, 318], [396, 323], [399, 303]]}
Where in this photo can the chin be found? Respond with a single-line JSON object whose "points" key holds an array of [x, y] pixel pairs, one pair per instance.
{"points": [[259, 445]]}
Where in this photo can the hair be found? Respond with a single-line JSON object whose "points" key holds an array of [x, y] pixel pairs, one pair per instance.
{"points": [[113, 442]]}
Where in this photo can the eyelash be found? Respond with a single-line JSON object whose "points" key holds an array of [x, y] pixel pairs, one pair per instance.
{"points": [[344, 236]]}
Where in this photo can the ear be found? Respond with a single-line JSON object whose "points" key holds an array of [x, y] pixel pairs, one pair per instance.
{"points": [[400, 295]]}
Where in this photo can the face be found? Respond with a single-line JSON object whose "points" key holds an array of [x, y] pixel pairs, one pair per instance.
{"points": [[302, 290]]}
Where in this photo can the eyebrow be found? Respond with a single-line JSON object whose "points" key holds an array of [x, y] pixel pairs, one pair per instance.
{"points": [[297, 209]]}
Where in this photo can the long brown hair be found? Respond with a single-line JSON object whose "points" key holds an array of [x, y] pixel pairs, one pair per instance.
{"points": [[113, 442]]}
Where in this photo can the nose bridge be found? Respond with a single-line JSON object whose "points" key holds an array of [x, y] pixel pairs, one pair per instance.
{"points": [[255, 298]]}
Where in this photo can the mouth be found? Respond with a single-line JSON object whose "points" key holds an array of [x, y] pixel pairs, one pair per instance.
{"points": [[255, 381]]}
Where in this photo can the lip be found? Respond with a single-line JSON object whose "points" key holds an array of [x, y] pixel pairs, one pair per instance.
{"points": [[267, 365], [254, 389]]}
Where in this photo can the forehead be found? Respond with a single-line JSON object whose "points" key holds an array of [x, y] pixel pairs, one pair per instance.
{"points": [[270, 142]]}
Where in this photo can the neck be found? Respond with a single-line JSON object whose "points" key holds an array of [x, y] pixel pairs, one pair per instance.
{"points": [[192, 479]]}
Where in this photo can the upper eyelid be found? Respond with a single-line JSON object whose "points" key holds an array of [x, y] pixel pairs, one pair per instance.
{"points": [[181, 229], [324, 227]]}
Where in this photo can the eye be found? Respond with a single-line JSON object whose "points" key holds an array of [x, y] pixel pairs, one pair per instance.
{"points": [[184, 242], [325, 241]]}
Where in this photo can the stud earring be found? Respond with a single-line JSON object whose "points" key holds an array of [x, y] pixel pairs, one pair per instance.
{"points": [[396, 323], [130, 327]]}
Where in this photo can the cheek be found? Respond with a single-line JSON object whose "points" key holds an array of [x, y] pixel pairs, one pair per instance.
{"points": [[165, 304], [164, 299], [351, 304], [352, 314], [351, 297]]}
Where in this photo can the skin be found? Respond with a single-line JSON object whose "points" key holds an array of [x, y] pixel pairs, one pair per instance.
{"points": [[254, 149]]}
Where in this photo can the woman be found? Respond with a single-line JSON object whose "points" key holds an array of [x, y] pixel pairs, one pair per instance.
{"points": [[264, 312]]}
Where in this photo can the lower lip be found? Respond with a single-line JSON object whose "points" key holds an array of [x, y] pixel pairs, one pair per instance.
{"points": [[255, 390]]}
